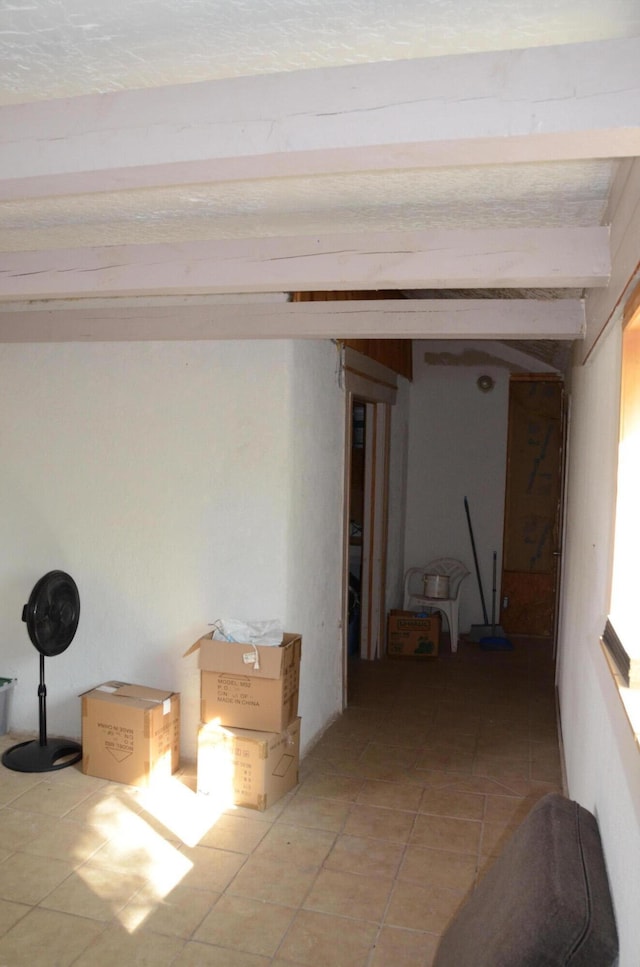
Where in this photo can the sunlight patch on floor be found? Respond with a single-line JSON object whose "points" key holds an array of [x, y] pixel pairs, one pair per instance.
{"points": [[135, 847], [188, 815]]}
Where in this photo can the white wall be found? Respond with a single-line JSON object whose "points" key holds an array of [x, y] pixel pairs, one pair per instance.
{"points": [[170, 480], [602, 759], [457, 448], [315, 532]]}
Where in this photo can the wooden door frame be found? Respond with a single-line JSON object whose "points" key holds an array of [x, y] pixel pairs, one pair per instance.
{"points": [[375, 530], [373, 384]]}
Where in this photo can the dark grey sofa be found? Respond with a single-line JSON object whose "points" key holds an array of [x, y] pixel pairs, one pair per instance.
{"points": [[545, 902]]}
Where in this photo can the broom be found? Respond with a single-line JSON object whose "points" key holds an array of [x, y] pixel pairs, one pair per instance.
{"points": [[477, 632], [495, 642]]}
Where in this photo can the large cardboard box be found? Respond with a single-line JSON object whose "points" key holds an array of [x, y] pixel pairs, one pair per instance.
{"points": [[248, 767], [411, 636], [248, 686], [130, 733]]}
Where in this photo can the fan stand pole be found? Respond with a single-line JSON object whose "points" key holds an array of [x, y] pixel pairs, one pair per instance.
{"points": [[42, 755], [42, 704]]}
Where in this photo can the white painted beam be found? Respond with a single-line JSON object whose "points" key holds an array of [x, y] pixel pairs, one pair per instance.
{"points": [[545, 103], [495, 258], [562, 319]]}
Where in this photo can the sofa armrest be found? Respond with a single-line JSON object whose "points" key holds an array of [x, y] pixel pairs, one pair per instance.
{"points": [[544, 902]]}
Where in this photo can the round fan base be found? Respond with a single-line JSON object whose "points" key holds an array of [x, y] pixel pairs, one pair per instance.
{"points": [[32, 756]]}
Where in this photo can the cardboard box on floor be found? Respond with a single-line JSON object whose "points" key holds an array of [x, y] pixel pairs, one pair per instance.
{"points": [[411, 636], [130, 733], [248, 686], [248, 767]]}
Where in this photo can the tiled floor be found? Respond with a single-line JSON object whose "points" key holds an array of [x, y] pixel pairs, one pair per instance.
{"points": [[400, 805]]}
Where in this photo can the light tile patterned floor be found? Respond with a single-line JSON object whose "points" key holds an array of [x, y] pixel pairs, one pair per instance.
{"points": [[403, 802]]}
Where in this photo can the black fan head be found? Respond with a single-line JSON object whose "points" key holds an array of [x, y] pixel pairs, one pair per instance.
{"points": [[52, 613]]}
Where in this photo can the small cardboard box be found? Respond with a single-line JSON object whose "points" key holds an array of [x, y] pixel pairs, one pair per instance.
{"points": [[411, 636], [249, 686], [130, 733], [250, 768]]}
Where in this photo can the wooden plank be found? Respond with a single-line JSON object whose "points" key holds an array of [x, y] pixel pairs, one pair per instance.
{"points": [[498, 107], [372, 637], [395, 353], [447, 258], [532, 506], [135, 320], [531, 608]]}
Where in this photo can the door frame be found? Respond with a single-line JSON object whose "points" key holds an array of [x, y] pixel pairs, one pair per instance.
{"points": [[368, 381], [375, 530]]}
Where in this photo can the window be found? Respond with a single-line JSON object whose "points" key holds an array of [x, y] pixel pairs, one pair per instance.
{"points": [[622, 634]]}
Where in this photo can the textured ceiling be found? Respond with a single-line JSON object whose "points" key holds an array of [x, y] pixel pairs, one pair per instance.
{"points": [[553, 194], [56, 48], [52, 49]]}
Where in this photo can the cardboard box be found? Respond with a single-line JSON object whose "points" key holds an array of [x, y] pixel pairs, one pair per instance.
{"points": [[247, 767], [247, 686], [130, 733], [410, 636]]}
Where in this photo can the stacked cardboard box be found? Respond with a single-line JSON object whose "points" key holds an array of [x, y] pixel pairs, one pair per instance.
{"points": [[130, 733], [249, 737]]}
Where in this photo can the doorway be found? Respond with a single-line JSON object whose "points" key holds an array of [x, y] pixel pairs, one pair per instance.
{"points": [[367, 526], [356, 523], [370, 392]]}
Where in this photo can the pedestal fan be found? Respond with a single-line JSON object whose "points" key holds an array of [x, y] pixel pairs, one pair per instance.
{"points": [[51, 616]]}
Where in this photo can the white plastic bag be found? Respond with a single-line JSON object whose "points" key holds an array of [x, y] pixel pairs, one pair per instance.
{"points": [[252, 632]]}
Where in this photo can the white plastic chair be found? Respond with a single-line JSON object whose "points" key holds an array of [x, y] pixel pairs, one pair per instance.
{"points": [[416, 600]]}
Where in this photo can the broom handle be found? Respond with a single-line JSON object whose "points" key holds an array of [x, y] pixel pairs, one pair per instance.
{"points": [[493, 596], [475, 561]]}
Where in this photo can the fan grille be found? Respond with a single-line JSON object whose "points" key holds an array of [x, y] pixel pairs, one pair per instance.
{"points": [[52, 613]]}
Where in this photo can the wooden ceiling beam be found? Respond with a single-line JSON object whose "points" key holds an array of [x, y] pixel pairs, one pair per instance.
{"points": [[475, 258], [560, 319], [546, 103]]}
